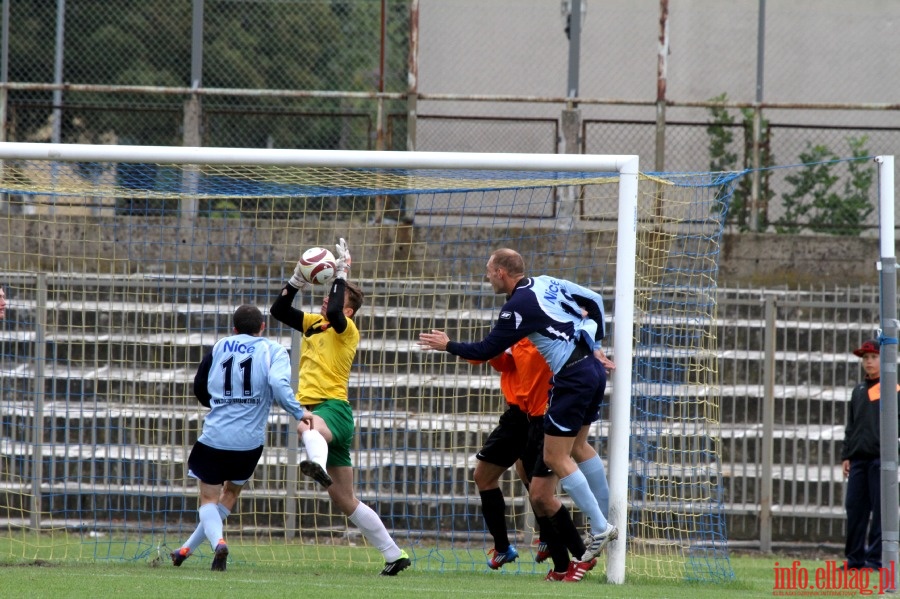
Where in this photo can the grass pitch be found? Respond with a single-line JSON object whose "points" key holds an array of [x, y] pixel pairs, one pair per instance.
{"points": [[351, 580]]}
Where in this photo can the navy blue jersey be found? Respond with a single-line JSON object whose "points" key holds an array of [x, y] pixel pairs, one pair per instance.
{"points": [[548, 311]]}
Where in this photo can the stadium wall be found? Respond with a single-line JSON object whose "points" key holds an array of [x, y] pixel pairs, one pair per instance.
{"points": [[402, 251]]}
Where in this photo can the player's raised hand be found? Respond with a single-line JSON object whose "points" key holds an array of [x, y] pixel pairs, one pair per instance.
{"points": [[297, 279], [342, 264]]}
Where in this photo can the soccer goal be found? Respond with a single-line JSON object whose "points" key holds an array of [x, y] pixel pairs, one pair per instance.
{"points": [[124, 264]]}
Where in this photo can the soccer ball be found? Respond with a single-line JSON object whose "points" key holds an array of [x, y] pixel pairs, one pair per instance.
{"points": [[317, 266]]}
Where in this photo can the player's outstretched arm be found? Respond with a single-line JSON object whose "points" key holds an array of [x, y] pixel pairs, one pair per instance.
{"points": [[279, 379], [335, 311], [489, 347], [283, 309], [434, 341]]}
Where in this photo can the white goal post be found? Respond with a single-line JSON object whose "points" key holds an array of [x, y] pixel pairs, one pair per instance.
{"points": [[888, 334]]}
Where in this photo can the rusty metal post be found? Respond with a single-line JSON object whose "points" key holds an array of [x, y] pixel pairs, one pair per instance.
{"points": [[412, 76], [380, 200], [379, 117], [4, 94], [756, 175], [4, 69], [573, 30], [192, 136], [662, 67], [571, 127], [571, 115], [412, 99], [767, 453]]}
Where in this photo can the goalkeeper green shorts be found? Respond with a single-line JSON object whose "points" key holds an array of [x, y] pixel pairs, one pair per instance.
{"points": [[339, 417]]}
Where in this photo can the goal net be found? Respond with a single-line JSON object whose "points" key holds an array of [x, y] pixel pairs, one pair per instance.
{"points": [[123, 265]]}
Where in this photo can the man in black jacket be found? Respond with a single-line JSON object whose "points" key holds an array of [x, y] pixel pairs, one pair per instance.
{"points": [[861, 461]]}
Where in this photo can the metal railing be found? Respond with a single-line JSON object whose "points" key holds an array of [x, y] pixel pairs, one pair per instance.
{"points": [[787, 372]]}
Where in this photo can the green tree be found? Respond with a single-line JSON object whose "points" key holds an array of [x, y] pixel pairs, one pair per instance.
{"points": [[249, 44], [723, 158], [719, 130], [814, 203]]}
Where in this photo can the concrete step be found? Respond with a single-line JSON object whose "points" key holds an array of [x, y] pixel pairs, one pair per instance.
{"points": [[439, 384], [191, 288], [96, 414], [205, 291], [153, 508], [112, 445], [810, 523], [136, 350], [151, 433], [90, 316], [69, 422], [793, 404], [181, 348]]}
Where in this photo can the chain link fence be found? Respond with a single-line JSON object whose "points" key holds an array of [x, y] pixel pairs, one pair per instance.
{"points": [[267, 53], [469, 75]]}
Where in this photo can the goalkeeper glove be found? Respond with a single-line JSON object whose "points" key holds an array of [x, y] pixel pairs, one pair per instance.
{"points": [[297, 279], [342, 264]]}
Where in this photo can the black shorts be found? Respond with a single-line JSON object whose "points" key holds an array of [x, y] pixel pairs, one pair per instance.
{"points": [[575, 397], [517, 437], [533, 457], [507, 441], [215, 466]]}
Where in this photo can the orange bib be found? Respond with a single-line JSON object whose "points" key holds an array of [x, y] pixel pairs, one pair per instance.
{"points": [[875, 392]]}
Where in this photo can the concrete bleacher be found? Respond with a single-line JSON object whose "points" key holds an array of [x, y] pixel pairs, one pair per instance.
{"points": [[117, 410]]}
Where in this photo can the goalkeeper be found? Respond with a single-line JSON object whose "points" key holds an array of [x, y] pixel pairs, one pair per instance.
{"points": [[330, 339]]}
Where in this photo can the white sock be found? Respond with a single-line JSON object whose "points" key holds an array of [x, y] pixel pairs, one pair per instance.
{"points": [[368, 522], [316, 447], [211, 521], [197, 537]]}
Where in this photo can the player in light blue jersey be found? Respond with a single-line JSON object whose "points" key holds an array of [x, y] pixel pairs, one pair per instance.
{"points": [[238, 380], [565, 321]]}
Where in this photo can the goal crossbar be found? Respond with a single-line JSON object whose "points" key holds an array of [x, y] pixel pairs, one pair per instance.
{"points": [[627, 164]]}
